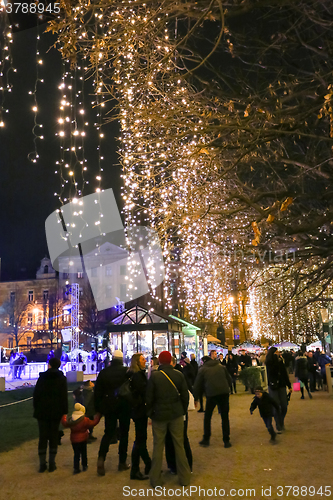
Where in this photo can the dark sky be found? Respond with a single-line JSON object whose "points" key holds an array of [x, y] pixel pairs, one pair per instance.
{"points": [[27, 189]]}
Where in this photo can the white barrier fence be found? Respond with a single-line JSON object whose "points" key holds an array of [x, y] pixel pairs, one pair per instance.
{"points": [[31, 371]]}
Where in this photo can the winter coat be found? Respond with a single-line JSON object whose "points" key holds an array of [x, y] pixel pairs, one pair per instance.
{"points": [[139, 387], [232, 366], [162, 399], [301, 368], [212, 379], [189, 374], [88, 400], [50, 399], [322, 361], [246, 359], [312, 365], [265, 405], [79, 427], [106, 388], [276, 371], [195, 367]]}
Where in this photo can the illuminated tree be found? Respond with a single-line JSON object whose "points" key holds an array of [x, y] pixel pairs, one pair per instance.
{"points": [[226, 133]]}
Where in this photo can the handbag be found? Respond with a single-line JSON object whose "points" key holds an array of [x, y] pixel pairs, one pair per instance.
{"points": [[296, 386], [191, 405], [125, 391]]}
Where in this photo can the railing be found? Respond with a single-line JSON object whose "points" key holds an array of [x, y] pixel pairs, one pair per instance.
{"points": [[24, 372], [31, 371]]}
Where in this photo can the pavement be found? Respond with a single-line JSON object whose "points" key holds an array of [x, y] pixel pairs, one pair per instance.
{"points": [[300, 465]]}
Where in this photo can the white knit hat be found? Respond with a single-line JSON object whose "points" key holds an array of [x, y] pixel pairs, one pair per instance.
{"points": [[79, 411], [117, 354]]}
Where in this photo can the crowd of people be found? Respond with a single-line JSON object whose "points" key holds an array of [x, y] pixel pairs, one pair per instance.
{"points": [[162, 395]]}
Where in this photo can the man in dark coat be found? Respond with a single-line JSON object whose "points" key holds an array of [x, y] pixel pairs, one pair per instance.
{"points": [[278, 381], [167, 401], [215, 381], [114, 409], [50, 402]]}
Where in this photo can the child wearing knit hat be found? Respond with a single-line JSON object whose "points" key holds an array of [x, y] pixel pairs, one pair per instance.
{"points": [[79, 425]]}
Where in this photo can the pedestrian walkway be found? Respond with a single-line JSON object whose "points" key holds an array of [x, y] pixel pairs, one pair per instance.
{"points": [[303, 457]]}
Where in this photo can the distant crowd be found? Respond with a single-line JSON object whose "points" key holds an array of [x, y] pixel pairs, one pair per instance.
{"points": [[163, 393]]}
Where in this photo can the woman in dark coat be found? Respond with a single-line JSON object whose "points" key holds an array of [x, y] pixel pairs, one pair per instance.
{"points": [[278, 381], [232, 367], [302, 373], [139, 416], [50, 402]]}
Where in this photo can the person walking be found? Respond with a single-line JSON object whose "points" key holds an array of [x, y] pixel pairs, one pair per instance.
{"points": [[232, 367], [278, 381], [50, 403], [167, 401], [79, 425], [114, 409], [138, 376], [215, 381], [266, 405], [312, 369], [302, 373]]}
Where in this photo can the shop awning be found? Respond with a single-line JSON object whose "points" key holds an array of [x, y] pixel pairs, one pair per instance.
{"points": [[188, 329], [140, 319], [211, 338]]}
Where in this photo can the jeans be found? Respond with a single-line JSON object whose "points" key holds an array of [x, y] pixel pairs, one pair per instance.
{"points": [[48, 434], [123, 415], [222, 401], [140, 445], [268, 423], [80, 450], [313, 378], [280, 397]]}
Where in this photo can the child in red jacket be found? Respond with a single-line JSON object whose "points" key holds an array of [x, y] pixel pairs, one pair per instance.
{"points": [[79, 425]]}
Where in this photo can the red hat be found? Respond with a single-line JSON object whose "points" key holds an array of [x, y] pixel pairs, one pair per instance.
{"points": [[164, 358]]}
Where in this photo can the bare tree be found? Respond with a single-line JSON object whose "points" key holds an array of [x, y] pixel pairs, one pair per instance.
{"points": [[15, 314]]}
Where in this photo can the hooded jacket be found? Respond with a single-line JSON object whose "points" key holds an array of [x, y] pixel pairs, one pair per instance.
{"points": [[212, 379], [79, 427], [265, 405], [50, 399]]}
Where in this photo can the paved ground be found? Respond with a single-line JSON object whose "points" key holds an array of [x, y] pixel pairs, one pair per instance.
{"points": [[303, 456]]}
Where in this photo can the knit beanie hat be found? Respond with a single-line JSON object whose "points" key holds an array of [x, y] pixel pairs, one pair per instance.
{"points": [[117, 354], [164, 358], [79, 411], [88, 383]]}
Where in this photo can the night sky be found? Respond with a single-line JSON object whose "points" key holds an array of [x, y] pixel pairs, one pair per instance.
{"points": [[27, 189]]}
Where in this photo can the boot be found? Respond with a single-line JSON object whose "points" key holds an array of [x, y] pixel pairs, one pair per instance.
{"points": [[100, 466], [42, 462]]}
